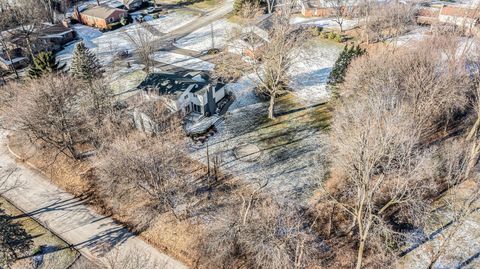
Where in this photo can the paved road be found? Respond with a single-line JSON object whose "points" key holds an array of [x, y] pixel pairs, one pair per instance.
{"points": [[166, 42], [92, 234]]}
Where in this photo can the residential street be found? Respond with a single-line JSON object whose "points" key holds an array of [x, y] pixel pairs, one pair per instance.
{"points": [[92, 234]]}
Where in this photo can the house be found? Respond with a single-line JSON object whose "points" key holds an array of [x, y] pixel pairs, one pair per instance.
{"points": [[102, 17], [324, 8], [55, 35], [132, 4], [459, 16], [191, 92], [45, 37]]}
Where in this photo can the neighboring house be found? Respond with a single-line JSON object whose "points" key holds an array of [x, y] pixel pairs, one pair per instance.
{"points": [[45, 37], [186, 93], [102, 17], [132, 4], [460, 16], [55, 36], [324, 8], [253, 37]]}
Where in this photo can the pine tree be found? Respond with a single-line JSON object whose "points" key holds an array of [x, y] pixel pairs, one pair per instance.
{"points": [[85, 64], [343, 62], [43, 63]]}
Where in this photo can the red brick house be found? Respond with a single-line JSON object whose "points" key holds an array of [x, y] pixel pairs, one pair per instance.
{"points": [[100, 16]]}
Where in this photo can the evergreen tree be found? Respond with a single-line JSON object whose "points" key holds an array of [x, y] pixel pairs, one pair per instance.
{"points": [[341, 65], [44, 63], [237, 6], [85, 64]]}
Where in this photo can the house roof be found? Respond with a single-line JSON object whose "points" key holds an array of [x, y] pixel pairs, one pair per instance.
{"points": [[129, 2], [53, 30], [456, 11], [102, 12], [173, 84]]}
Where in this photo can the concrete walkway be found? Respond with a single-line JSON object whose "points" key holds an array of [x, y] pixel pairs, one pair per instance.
{"points": [[94, 235]]}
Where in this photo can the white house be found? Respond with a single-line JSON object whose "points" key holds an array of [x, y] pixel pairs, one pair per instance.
{"points": [[188, 93]]}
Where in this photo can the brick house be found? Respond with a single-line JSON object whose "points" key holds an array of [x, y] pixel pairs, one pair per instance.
{"points": [[460, 16], [101, 17]]}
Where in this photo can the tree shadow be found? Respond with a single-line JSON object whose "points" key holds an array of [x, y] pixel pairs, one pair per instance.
{"points": [[15, 241]]}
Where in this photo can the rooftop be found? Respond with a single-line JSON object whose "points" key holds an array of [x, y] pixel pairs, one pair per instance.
{"points": [[175, 84], [101, 11]]}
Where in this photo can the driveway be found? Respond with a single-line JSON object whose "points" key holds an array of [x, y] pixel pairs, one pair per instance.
{"points": [[94, 235]]}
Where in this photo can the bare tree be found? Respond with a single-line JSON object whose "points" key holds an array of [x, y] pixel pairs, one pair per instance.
{"points": [[24, 18], [57, 111], [341, 10], [270, 58], [149, 171], [385, 20], [143, 42], [392, 104]]}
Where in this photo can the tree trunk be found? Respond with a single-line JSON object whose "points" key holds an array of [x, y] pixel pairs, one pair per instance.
{"points": [[474, 129], [29, 46], [472, 159], [361, 249], [8, 55], [270, 107]]}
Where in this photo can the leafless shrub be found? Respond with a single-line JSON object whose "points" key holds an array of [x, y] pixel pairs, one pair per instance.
{"points": [[272, 236], [143, 42]]}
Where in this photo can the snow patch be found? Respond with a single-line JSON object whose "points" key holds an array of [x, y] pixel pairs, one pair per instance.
{"points": [[327, 23]]}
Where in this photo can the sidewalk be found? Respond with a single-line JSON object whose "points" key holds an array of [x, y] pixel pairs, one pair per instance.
{"points": [[92, 234]]}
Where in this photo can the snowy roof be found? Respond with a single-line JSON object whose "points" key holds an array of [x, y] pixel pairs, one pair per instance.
{"points": [[101, 11], [173, 84]]}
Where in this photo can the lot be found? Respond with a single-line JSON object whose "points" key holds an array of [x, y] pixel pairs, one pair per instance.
{"points": [[291, 143]]}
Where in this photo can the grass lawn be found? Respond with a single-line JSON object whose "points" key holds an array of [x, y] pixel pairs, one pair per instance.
{"points": [[56, 253]]}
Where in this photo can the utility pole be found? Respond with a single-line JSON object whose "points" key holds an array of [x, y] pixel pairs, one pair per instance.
{"points": [[208, 162], [212, 36]]}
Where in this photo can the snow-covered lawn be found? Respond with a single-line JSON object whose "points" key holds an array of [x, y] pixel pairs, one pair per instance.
{"points": [[201, 39], [310, 72], [411, 37], [328, 23], [107, 45], [309, 75], [181, 60]]}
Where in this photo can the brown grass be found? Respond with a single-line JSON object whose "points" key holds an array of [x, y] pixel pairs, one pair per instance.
{"points": [[65, 172]]}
